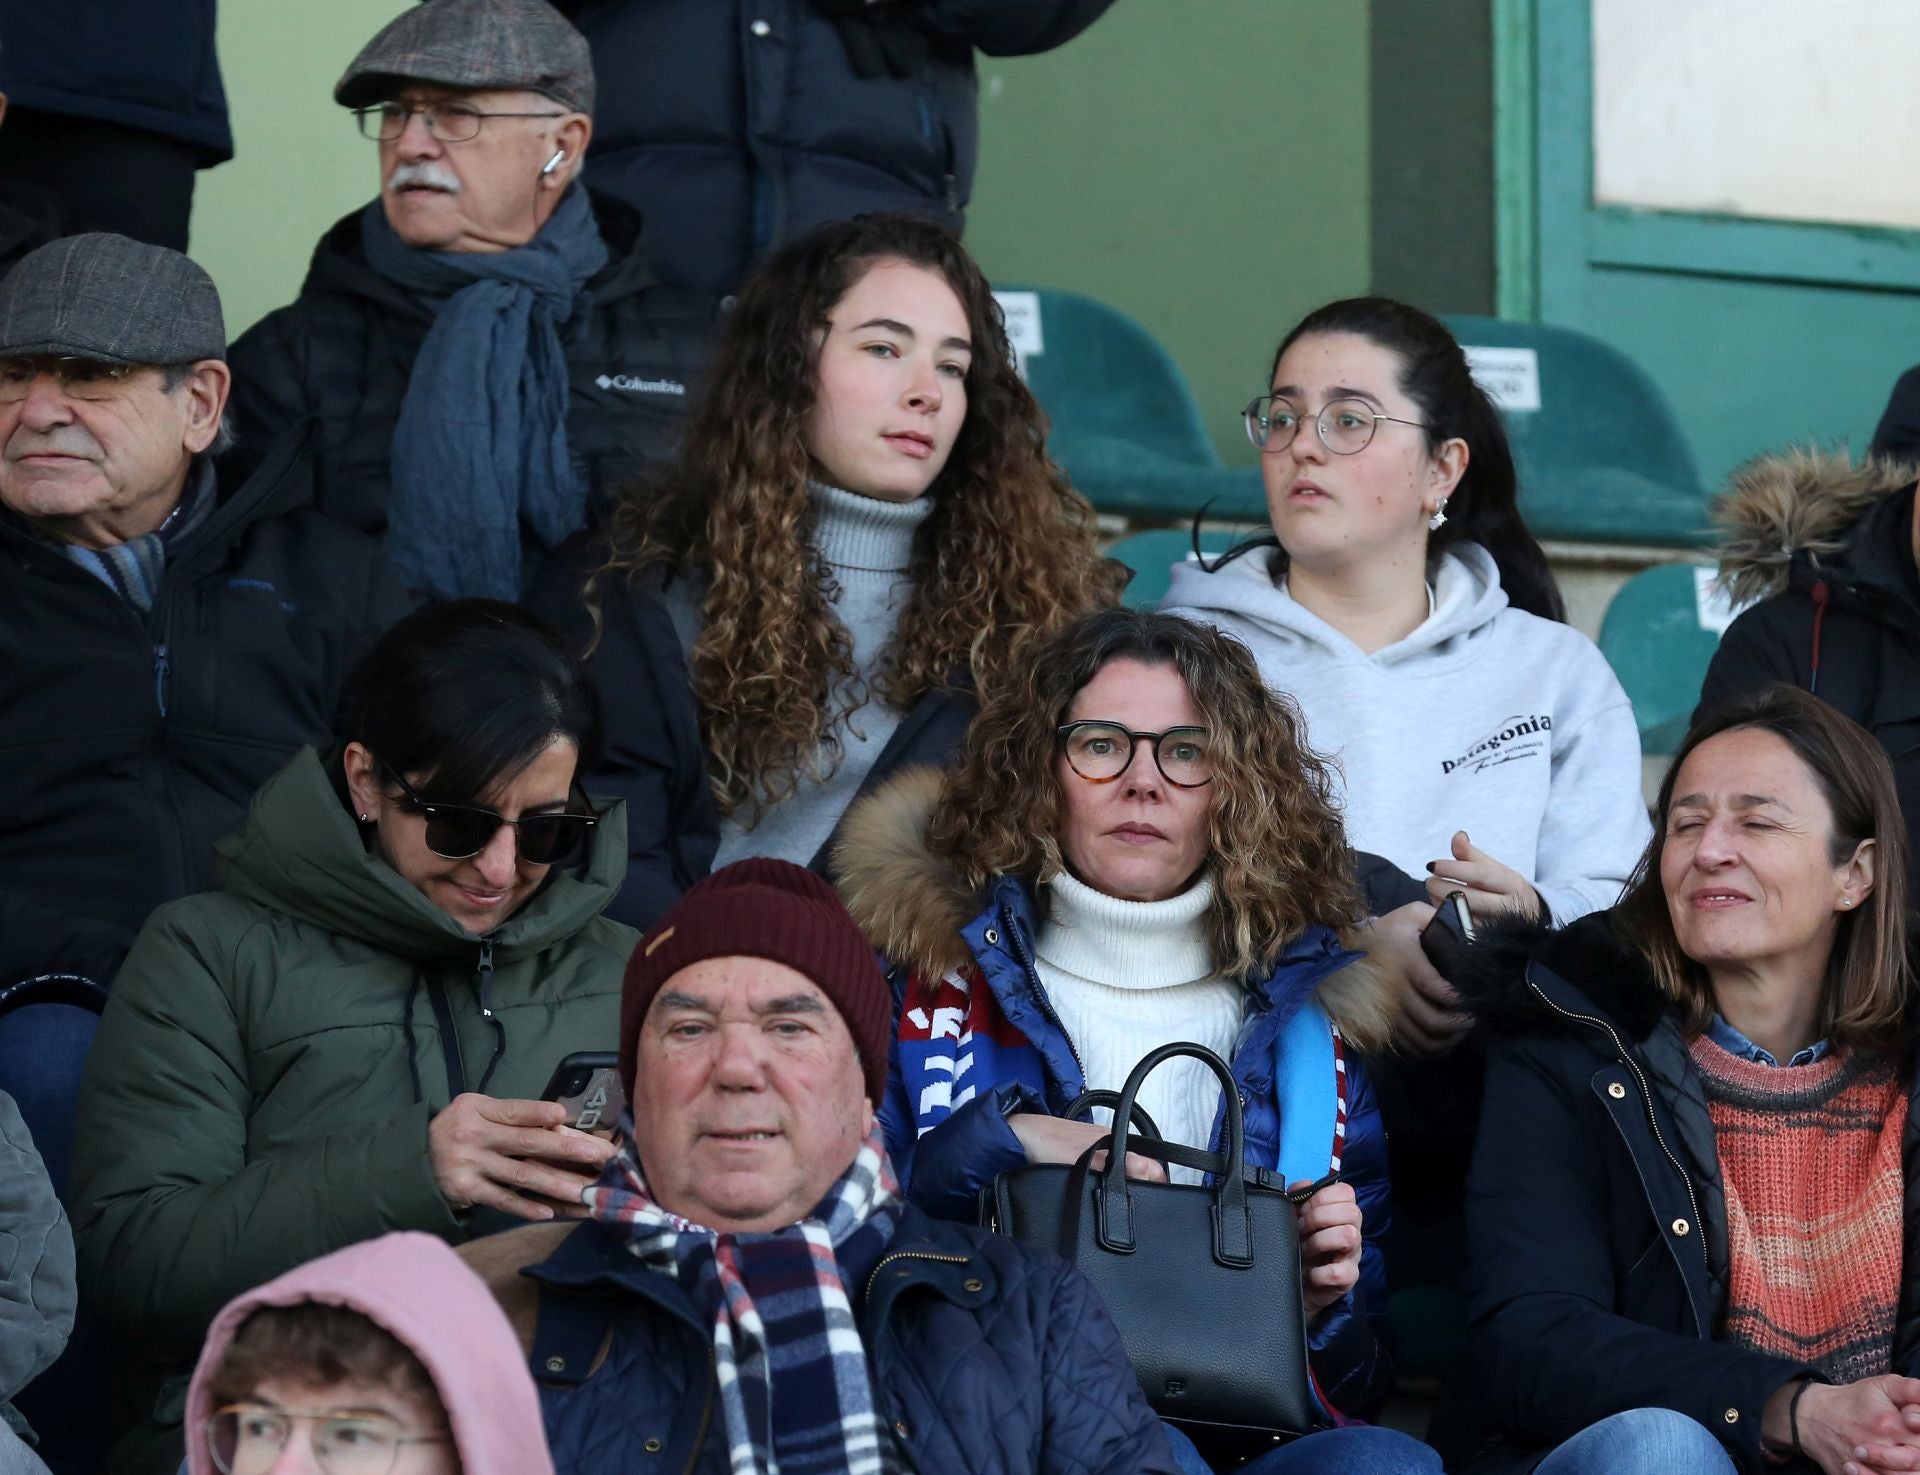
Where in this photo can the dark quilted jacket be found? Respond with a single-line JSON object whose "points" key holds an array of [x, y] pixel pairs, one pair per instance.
{"points": [[731, 124], [989, 1358], [343, 350]]}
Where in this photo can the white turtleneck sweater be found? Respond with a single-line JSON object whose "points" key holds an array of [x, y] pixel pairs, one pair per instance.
{"points": [[867, 544], [1128, 976]]}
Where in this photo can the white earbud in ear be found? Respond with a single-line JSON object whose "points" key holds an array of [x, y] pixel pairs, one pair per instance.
{"points": [[559, 156]]}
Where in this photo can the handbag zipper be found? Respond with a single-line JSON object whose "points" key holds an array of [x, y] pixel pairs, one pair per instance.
{"points": [[1646, 1095]]}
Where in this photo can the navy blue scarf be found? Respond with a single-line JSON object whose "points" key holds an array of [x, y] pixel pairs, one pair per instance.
{"points": [[482, 441]]}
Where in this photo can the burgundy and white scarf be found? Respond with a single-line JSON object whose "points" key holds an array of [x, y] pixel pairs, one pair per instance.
{"points": [[777, 1294]]}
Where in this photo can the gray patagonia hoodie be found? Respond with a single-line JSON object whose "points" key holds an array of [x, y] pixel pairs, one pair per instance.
{"points": [[1484, 719]]}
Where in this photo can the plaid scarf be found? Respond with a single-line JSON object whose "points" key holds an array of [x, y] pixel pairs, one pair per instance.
{"points": [[776, 1299]]}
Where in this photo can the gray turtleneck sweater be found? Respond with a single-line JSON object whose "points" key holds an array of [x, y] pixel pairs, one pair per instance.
{"points": [[867, 545]]}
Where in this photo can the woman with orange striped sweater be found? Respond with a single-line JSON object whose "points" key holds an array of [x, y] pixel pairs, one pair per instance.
{"points": [[1696, 1179]]}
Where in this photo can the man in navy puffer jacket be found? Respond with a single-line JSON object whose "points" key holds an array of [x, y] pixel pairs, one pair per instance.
{"points": [[751, 1292], [732, 124]]}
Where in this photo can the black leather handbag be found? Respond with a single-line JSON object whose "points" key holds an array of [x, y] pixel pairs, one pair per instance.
{"points": [[1203, 1281]]}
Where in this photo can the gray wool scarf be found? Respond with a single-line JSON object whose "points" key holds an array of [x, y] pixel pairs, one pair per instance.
{"points": [[482, 441]]}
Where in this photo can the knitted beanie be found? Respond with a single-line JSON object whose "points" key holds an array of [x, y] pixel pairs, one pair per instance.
{"points": [[766, 908]]}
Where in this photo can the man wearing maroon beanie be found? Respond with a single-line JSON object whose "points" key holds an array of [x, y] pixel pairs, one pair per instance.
{"points": [[751, 1291]]}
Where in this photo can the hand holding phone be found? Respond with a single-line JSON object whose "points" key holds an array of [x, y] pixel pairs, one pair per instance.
{"points": [[1446, 938], [587, 1084]]}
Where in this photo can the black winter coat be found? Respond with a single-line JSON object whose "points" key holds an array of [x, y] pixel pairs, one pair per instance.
{"points": [[988, 1357], [129, 62], [343, 350], [1596, 1215], [653, 755], [130, 742], [732, 124], [1827, 549]]}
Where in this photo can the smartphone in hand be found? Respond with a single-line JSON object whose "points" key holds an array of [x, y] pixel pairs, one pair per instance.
{"points": [[587, 1084], [1447, 936]]}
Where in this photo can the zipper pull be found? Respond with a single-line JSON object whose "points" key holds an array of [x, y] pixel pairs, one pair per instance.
{"points": [[483, 973], [162, 675]]}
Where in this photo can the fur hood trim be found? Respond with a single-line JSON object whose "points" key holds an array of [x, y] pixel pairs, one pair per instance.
{"points": [[1804, 500], [1588, 953], [912, 905], [909, 902]]}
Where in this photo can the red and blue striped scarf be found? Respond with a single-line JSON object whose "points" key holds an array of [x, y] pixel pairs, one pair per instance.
{"points": [[777, 1297]]}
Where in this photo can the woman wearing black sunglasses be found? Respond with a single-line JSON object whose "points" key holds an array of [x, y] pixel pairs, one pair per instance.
{"points": [[348, 1036]]}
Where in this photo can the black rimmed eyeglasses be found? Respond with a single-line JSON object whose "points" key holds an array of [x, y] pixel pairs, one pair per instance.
{"points": [[1101, 751], [462, 831], [1345, 426]]}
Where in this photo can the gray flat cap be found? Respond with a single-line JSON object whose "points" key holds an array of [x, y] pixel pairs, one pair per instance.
{"points": [[512, 45], [106, 297]]}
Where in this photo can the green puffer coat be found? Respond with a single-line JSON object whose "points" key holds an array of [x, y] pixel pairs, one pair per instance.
{"points": [[260, 1088]]}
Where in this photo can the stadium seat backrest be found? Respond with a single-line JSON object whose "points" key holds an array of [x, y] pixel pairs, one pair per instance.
{"points": [[1603, 458], [1659, 635], [1101, 373], [1152, 556]]}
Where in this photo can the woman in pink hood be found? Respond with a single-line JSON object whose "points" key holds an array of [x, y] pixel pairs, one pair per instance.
{"points": [[385, 1358]]}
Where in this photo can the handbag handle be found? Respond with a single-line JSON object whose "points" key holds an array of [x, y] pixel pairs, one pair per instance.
{"points": [[1232, 1221], [1088, 1101]]}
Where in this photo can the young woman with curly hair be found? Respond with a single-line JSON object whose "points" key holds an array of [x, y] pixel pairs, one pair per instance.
{"points": [[861, 528], [1135, 846]]}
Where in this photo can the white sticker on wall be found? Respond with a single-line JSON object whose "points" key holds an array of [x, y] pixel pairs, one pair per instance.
{"points": [[1510, 376], [1023, 325]]}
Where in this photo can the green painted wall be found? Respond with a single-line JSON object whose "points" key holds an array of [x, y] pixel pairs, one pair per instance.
{"points": [[299, 164], [1134, 164], [1138, 164]]}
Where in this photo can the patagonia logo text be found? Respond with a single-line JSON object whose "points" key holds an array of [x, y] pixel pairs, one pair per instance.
{"points": [[1516, 738]]}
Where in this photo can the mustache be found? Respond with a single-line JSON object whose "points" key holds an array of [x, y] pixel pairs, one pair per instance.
{"points": [[64, 440], [423, 172]]}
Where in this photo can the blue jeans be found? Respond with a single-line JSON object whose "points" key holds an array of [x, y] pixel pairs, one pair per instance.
{"points": [[1642, 1441], [43, 1050], [1368, 1450]]}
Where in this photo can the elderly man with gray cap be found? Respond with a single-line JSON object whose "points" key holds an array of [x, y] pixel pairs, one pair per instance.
{"points": [[484, 345], [168, 639]]}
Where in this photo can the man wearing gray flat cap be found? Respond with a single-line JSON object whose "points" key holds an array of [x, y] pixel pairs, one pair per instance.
{"points": [[484, 345], [168, 639]]}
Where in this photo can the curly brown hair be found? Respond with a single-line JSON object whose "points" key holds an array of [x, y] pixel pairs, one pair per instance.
{"points": [[1278, 851], [1008, 550]]}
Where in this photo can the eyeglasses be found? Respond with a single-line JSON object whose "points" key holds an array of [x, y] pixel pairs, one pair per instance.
{"points": [[1346, 426], [1101, 751], [247, 1438], [461, 831], [450, 122], [79, 378]]}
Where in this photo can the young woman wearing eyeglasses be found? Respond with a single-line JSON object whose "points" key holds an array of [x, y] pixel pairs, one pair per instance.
{"points": [[1134, 848], [348, 1036], [1401, 601]]}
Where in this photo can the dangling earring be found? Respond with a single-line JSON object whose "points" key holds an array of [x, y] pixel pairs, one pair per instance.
{"points": [[1438, 519]]}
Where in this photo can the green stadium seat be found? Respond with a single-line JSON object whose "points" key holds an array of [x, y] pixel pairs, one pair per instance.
{"points": [[1658, 643], [1602, 460], [1152, 556], [1125, 425]]}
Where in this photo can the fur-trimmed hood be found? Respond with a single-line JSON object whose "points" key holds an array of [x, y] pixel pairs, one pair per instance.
{"points": [[1589, 954], [912, 905], [1804, 501]]}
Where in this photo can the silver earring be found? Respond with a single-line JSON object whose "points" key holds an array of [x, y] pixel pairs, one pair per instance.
{"points": [[366, 819], [1438, 519]]}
